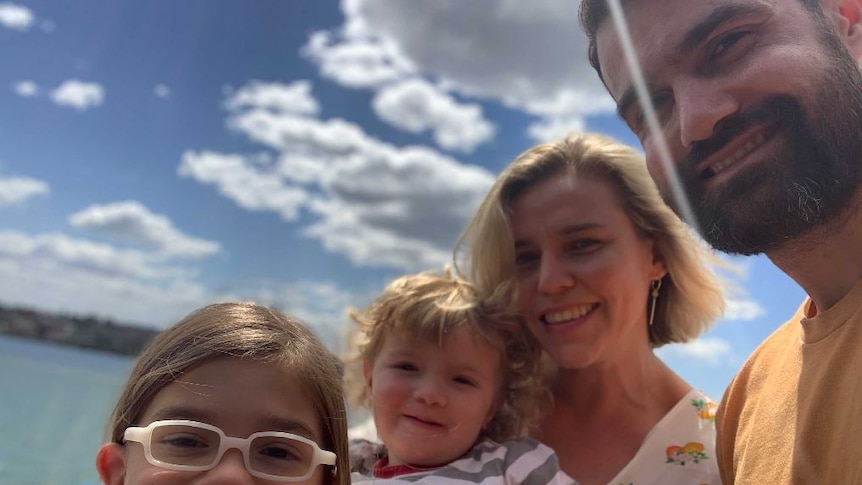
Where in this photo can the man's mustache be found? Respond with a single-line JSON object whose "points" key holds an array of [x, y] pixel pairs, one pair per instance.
{"points": [[773, 111]]}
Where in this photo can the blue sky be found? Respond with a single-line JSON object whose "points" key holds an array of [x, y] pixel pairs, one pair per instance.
{"points": [[156, 156]]}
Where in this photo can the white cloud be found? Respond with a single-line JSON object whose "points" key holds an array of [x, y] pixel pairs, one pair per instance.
{"points": [[162, 91], [293, 98], [254, 187], [743, 309], [370, 201], [85, 255], [53, 285], [321, 305], [18, 189], [530, 56], [26, 89], [416, 106], [711, 350], [363, 62], [16, 17], [79, 95], [131, 221], [55, 272]]}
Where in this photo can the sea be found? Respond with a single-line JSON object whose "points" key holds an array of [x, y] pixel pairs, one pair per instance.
{"points": [[55, 402]]}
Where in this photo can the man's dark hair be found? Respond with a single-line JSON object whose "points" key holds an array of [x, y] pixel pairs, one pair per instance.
{"points": [[593, 13]]}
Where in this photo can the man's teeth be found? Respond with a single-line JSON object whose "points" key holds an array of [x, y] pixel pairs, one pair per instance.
{"points": [[567, 315], [719, 166]]}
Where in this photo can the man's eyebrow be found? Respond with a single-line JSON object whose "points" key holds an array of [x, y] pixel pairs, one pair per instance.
{"points": [[697, 34], [693, 38]]}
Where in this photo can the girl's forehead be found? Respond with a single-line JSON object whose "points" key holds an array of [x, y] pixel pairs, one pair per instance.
{"points": [[240, 396]]}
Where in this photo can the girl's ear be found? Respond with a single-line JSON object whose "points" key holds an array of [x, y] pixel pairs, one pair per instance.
{"points": [[111, 464]]}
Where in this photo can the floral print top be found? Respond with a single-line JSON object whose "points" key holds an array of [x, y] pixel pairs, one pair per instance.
{"points": [[679, 450]]}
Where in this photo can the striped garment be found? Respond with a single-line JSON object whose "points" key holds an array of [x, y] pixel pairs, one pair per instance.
{"points": [[524, 461]]}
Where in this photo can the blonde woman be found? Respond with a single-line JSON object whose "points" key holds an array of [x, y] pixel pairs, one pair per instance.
{"points": [[605, 273]]}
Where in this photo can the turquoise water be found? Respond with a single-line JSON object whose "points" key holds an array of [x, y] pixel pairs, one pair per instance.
{"points": [[54, 405]]}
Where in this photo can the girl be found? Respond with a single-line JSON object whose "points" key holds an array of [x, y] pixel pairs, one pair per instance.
{"points": [[452, 383], [235, 392]]}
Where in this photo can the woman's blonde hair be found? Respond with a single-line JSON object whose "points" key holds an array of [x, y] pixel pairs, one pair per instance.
{"points": [[242, 331], [691, 296], [427, 306]]}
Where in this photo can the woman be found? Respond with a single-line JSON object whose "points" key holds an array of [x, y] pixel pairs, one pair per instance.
{"points": [[605, 274]]}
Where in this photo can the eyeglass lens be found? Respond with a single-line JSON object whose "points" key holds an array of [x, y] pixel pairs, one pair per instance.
{"points": [[189, 445]]}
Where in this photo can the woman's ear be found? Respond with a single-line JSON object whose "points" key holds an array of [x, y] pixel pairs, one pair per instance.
{"points": [[111, 464], [659, 268]]}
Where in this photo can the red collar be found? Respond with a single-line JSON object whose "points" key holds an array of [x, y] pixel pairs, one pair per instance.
{"points": [[382, 469]]}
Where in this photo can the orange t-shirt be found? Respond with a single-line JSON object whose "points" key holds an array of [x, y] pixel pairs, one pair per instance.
{"points": [[793, 414]]}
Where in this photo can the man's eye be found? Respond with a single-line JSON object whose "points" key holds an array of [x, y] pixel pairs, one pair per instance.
{"points": [[728, 41], [583, 245]]}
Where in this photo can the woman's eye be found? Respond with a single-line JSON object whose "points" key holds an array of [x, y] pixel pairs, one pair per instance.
{"points": [[522, 259], [582, 245]]}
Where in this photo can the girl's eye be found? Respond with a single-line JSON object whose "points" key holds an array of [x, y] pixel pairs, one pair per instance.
{"points": [[184, 442], [280, 452]]}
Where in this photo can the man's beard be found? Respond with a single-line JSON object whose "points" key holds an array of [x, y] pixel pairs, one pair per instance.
{"points": [[809, 181]]}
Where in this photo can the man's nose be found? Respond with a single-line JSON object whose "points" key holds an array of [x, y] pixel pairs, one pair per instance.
{"points": [[700, 106]]}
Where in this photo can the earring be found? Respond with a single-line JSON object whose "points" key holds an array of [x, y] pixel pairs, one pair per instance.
{"points": [[655, 286]]}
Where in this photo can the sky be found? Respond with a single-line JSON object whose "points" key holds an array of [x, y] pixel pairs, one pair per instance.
{"points": [[158, 156]]}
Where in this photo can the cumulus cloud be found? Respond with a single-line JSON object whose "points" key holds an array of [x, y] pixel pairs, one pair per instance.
{"points": [[710, 350], [250, 185], [79, 94], [322, 305], [16, 17], [743, 309], [374, 203], [15, 190], [58, 273], [293, 98], [361, 62], [131, 221], [528, 55], [417, 106], [25, 89], [162, 91], [83, 254]]}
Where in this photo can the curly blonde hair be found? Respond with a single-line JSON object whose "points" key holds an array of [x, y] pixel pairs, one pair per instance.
{"points": [[426, 306]]}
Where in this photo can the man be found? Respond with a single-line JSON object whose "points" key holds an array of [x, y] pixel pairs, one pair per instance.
{"points": [[760, 104]]}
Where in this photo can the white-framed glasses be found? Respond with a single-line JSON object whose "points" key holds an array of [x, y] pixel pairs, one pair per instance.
{"points": [[183, 445]]}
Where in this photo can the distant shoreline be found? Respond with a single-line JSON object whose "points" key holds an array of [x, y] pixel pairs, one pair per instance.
{"points": [[82, 332]]}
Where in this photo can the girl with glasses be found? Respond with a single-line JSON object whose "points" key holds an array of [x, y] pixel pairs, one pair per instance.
{"points": [[235, 392]]}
